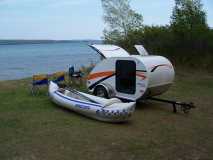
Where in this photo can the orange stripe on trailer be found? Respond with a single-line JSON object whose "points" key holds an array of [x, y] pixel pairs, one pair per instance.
{"points": [[141, 75], [100, 74]]}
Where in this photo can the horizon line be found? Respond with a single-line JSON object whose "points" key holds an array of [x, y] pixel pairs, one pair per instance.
{"points": [[5, 39]]}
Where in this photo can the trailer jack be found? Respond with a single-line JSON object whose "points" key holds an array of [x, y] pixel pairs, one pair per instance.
{"points": [[185, 107]]}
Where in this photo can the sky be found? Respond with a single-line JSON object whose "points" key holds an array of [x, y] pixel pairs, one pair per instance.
{"points": [[74, 19]]}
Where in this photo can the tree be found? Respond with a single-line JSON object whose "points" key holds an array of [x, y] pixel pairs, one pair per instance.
{"points": [[188, 15], [120, 19], [188, 23]]}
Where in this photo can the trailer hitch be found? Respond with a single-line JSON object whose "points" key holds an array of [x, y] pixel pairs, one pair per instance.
{"points": [[185, 107]]}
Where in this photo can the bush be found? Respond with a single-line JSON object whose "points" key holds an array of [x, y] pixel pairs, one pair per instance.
{"points": [[194, 49]]}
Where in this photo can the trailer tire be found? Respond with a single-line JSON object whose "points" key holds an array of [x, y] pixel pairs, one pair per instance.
{"points": [[101, 91]]}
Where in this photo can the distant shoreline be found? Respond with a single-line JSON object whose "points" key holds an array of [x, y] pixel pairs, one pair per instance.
{"points": [[20, 42]]}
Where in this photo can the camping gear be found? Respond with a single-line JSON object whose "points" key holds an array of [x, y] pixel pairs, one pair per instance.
{"points": [[37, 81], [74, 74], [108, 110], [43, 80], [58, 77]]}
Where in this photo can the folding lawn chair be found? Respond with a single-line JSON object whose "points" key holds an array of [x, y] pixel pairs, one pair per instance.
{"points": [[59, 78], [37, 81], [74, 75]]}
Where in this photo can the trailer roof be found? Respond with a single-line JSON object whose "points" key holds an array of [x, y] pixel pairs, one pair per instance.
{"points": [[107, 51]]}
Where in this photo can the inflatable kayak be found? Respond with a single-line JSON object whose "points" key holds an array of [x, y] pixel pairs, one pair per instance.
{"points": [[108, 110]]}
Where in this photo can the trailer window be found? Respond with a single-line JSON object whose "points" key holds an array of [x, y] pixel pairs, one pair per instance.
{"points": [[126, 76]]}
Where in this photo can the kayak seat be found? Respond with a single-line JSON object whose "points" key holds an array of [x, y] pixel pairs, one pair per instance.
{"points": [[112, 101], [73, 95], [103, 101]]}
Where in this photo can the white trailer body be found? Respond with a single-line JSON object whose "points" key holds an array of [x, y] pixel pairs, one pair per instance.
{"points": [[130, 77]]}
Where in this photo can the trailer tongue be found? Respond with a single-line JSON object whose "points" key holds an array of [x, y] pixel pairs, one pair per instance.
{"points": [[185, 107]]}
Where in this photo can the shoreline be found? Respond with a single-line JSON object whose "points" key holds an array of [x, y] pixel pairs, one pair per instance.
{"points": [[178, 71], [25, 42]]}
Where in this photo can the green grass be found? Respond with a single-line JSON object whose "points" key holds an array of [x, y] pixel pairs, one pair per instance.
{"points": [[32, 127]]}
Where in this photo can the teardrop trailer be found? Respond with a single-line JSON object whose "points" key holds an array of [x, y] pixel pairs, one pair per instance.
{"points": [[132, 77]]}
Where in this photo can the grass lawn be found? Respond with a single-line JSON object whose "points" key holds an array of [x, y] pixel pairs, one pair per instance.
{"points": [[33, 128]]}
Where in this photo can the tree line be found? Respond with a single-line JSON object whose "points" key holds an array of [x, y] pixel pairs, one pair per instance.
{"points": [[187, 40]]}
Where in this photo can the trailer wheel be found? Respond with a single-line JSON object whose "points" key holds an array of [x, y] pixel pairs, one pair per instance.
{"points": [[101, 91]]}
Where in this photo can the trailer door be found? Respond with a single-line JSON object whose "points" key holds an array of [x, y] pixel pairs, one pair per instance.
{"points": [[126, 76]]}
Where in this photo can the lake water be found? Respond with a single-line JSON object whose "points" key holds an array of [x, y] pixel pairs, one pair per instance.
{"points": [[24, 60]]}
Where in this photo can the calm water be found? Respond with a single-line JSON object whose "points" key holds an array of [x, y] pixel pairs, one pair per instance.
{"points": [[20, 61]]}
